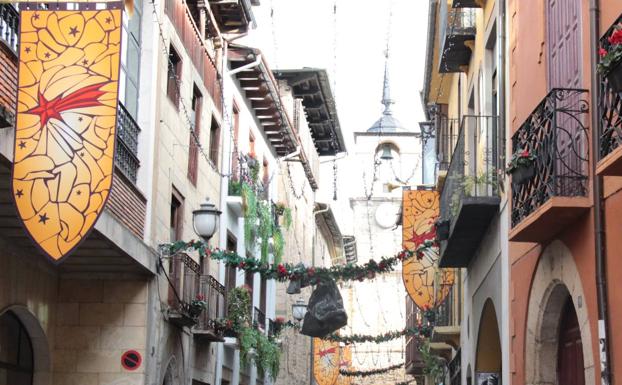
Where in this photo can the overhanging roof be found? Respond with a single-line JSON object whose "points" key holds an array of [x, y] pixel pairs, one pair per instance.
{"points": [[331, 231], [313, 87]]}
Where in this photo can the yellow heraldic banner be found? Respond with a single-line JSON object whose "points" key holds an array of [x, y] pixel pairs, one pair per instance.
{"points": [[65, 126], [427, 285], [326, 359]]}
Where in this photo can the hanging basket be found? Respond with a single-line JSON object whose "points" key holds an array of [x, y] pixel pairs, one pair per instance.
{"points": [[522, 174], [614, 78]]}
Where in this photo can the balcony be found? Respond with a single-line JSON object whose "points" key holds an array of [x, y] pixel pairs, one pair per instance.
{"points": [[558, 192], [447, 134], [457, 37], [610, 121], [214, 293], [232, 16], [468, 3], [184, 276], [414, 362], [126, 158], [470, 196], [446, 326]]}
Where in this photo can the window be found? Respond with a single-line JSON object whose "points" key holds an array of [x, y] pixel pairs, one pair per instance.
{"points": [[251, 144], [130, 61], [266, 177], [193, 149], [174, 76], [16, 357], [235, 161], [177, 215], [214, 141], [230, 272], [249, 279]]}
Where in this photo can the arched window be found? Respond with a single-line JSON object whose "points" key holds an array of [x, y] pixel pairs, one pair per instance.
{"points": [[16, 357]]}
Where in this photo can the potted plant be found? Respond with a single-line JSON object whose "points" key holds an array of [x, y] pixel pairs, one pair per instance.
{"points": [[610, 60], [197, 305], [521, 166]]}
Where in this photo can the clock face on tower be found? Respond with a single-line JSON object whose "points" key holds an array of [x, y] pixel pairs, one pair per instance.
{"points": [[386, 215]]}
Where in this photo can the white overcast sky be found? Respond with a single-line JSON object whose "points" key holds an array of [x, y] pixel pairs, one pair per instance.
{"points": [[301, 33]]}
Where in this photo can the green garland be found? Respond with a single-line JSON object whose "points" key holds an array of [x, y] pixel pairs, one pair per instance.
{"points": [[284, 272], [365, 373], [433, 366], [422, 331]]}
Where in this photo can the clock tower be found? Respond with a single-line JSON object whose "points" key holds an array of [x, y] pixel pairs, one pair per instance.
{"points": [[387, 156]]}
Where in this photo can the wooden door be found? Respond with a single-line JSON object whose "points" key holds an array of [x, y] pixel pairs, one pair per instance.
{"points": [[564, 43], [564, 71], [570, 370]]}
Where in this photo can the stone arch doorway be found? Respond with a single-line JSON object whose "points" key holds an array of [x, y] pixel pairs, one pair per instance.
{"points": [[558, 341], [488, 354], [26, 357]]}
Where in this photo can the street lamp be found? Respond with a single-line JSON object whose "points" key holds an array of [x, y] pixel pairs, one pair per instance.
{"points": [[299, 309], [205, 220]]}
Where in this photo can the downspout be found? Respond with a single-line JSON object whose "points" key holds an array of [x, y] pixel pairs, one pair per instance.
{"points": [[599, 213]]}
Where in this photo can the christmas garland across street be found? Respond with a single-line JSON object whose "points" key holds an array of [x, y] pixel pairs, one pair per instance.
{"points": [[365, 373], [422, 331], [284, 272]]}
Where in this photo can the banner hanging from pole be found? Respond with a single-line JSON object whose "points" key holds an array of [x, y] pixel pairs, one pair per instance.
{"points": [[67, 97], [426, 284]]}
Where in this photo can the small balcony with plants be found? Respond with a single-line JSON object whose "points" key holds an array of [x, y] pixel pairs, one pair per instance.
{"points": [[470, 195], [212, 300], [549, 167], [185, 301], [457, 37], [446, 321], [610, 102]]}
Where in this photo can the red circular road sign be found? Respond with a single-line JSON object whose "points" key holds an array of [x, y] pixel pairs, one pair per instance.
{"points": [[131, 360]]}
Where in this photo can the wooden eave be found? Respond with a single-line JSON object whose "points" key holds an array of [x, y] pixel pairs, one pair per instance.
{"points": [[260, 87], [232, 16], [313, 88]]}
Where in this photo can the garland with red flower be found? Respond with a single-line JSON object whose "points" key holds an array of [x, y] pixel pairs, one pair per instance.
{"points": [[422, 331], [286, 271], [365, 373]]}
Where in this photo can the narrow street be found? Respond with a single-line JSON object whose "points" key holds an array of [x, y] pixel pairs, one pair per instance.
{"points": [[298, 192]]}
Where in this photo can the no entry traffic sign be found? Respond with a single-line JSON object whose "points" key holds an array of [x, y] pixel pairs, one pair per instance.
{"points": [[131, 360]]}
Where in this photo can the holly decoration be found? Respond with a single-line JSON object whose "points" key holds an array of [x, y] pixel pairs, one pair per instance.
{"points": [[422, 331], [288, 272], [425, 245], [365, 373]]}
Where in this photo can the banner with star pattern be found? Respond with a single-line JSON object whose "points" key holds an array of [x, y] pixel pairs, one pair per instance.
{"points": [[65, 125], [326, 361], [427, 285]]}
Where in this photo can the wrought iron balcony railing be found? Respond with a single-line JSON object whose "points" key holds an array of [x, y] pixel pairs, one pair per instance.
{"points": [[457, 33], [214, 294], [9, 21], [556, 134], [127, 144], [184, 282], [610, 107], [445, 311], [474, 167], [259, 318], [454, 369], [446, 133]]}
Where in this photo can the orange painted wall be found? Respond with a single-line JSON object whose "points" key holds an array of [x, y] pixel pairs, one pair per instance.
{"points": [[528, 86]]}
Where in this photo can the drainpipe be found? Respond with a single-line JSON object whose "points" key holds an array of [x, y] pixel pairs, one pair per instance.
{"points": [[599, 213]]}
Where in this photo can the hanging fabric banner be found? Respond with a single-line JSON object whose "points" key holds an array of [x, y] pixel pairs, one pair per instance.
{"points": [[326, 359], [65, 126], [427, 285]]}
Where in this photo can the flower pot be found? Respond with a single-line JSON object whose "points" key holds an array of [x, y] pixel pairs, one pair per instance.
{"points": [[614, 78], [522, 174], [194, 311]]}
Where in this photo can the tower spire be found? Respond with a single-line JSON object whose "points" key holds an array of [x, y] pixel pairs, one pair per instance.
{"points": [[386, 91]]}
